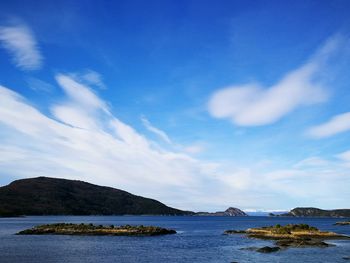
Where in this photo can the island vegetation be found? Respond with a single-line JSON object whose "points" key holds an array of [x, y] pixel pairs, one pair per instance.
{"points": [[96, 230], [291, 235]]}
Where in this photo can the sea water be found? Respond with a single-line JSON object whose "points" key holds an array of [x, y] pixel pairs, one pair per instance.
{"points": [[199, 239]]}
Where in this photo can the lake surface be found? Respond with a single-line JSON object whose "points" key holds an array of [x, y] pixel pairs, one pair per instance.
{"points": [[199, 239]]}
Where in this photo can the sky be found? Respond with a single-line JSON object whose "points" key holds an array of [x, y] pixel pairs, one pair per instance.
{"points": [[201, 105]]}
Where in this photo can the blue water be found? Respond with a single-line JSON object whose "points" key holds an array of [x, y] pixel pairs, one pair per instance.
{"points": [[199, 239]]}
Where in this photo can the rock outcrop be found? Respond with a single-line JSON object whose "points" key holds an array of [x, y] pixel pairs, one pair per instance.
{"points": [[231, 211], [316, 212]]}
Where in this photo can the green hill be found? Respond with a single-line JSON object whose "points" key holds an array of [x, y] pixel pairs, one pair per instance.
{"points": [[52, 196]]}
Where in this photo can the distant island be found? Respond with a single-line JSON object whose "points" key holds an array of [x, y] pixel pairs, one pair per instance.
{"points": [[52, 196], [315, 212], [344, 223], [94, 230], [231, 211]]}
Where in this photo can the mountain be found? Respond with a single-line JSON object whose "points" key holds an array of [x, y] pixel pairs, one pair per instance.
{"points": [[52, 196], [316, 212], [231, 211]]}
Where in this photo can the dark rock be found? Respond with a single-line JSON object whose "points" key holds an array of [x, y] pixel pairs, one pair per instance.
{"points": [[301, 243], [268, 249], [231, 211]]}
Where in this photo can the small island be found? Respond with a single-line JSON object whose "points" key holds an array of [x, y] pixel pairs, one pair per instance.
{"points": [[231, 211], [96, 230], [291, 235], [316, 212], [344, 223]]}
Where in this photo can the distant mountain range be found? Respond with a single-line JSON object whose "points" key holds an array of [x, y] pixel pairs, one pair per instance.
{"points": [[316, 212], [51, 196]]}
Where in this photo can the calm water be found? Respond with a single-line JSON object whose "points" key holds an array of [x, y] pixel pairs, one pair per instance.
{"points": [[199, 239]]}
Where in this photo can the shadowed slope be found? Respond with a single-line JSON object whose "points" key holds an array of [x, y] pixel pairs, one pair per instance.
{"points": [[51, 196]]}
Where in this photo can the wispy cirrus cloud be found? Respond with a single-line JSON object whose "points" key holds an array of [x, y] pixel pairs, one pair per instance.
{"points": [[39, 85], [161, 134], [191, 149], [345, 156], [90, 78], [82, 139], [254, 105], [337, 124], [20, 42]]}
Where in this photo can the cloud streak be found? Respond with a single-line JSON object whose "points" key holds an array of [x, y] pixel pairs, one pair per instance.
{"points": [[20, 42], [161, 134], [255, 105], [83, 140], [337, 124]]}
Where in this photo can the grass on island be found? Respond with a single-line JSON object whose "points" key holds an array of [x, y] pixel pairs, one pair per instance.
{"points": [[91, 229]]}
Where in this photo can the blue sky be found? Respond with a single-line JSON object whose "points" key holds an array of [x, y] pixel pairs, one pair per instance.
{"points": [[200, 104]]}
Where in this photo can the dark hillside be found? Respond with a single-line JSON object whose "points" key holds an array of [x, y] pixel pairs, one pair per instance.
{"points": [[51, 196]]}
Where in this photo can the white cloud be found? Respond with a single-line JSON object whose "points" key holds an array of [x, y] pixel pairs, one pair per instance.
{"points": [[190, 149], [311, 162], [194, 149], [345, 156], [84, 140], [20, 42], [161, 134], [337, 124], [80, 94], [254, 105], [90, 77]]}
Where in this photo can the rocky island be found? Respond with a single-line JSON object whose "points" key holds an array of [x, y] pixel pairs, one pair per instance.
{"points": [[316, 212], [344, 223], [96, 230], [291, 235], [231, 211]]}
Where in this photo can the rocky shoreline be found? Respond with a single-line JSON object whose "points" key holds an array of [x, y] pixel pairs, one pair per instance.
{"points": [[291, 235]]}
